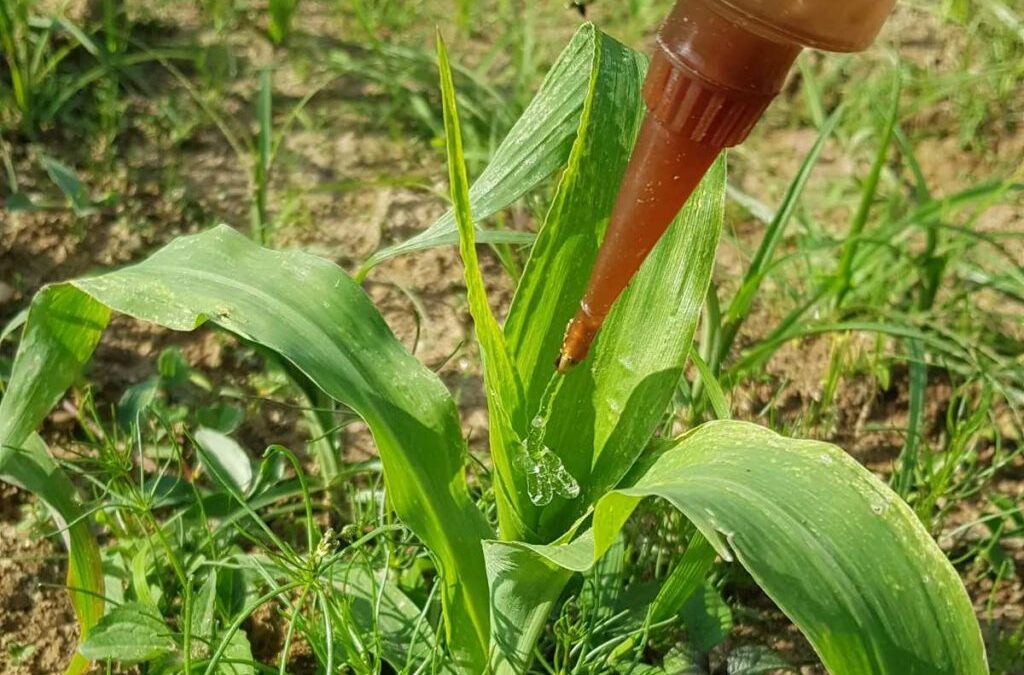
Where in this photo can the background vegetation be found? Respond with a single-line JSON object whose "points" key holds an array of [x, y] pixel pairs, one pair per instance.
{"points": [[887, 315]]}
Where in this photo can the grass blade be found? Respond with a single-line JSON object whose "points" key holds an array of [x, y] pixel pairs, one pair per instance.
{"points": [[687, 576], [537, 146], [263, 158], [743, 301], [712, 388], [844, 274], [504, 391], [907, 462]]}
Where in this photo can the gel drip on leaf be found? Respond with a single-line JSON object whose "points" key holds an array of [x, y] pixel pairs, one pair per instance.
{"points": [[546, 476]]}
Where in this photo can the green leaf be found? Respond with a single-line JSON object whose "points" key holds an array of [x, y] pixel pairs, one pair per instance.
{"points": [[504, 391], [903, 478], [237, 658], [566, 246], [131, 633], [662, 306], [712, 388], [536, 146], [204, 606], [683, 661], [639, 355], [173, 366], [630, 382], [834, 547], [755, 660], [524, 587], [16, 322], [60, 332], [225, 459], [222, 417], [279, 25], [603, 585], [707, 618], [140, 585], [20, 201], [65, 179], [686, 578], [332, 333], [609, 406], [18, 653], [136, 399]]}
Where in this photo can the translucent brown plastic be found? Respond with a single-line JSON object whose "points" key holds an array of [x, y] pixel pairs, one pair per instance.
{"points": [[662, 162], [719, 65], [832, 25]]}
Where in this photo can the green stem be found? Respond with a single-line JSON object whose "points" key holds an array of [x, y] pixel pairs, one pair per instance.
{"points": [[685, 579], [211, 667], [290, 634]]}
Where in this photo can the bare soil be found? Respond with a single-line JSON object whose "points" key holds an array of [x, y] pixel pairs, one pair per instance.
{"points": [[38, 632]]}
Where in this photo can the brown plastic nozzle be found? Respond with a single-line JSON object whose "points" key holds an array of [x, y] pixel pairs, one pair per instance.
{"points": [[718, 66]]}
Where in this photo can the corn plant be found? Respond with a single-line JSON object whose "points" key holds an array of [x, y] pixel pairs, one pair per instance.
{"points": [[833, 546]]}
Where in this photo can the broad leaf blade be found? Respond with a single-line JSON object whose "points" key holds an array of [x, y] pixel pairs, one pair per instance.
{"points": [[237, 659], [62, 329], [33, 470], [204, 605], [523, 589], [131, 633], [835, 548], [225, 460], [536, 146], [640, 353], [561, 259], [332, 333], [707, 618]]}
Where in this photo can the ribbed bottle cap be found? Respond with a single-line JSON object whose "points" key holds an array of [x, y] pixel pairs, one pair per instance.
{"points": [[712, 77], [685, 104]]}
